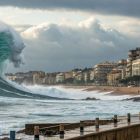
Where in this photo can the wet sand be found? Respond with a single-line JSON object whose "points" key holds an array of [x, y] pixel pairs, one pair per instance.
{"points": [[114, 90]]}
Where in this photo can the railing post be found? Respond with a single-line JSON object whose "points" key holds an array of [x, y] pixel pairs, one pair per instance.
{"points": [[97, 124], [12, 135], [61, 131], [36, 133], [128, 118], [81, 126], [115, 120]]}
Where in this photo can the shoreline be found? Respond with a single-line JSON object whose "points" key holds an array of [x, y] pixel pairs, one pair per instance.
{"points": [[134, 91]]}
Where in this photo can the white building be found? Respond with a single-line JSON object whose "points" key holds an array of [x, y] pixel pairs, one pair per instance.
{"points": [[136, 67], [60, 78]]}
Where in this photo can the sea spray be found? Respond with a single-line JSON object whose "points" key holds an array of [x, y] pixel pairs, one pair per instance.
{"points": [[11, 46], [72, 93]]}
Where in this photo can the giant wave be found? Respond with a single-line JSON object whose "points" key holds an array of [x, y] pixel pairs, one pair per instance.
{"points": [[11, 47]]}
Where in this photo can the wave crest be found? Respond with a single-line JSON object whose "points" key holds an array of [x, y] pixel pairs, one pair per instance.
{"points": [[11, 45]]}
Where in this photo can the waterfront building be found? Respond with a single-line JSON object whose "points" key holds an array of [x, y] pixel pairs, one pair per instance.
{"points": [[75, 72], [117, 74], [114, 77], [38, 78], [92, 74], [136, 67], [31, 77], [132, 55], [122, 64], [60, 77], [10, 76], [68, 75], [79, 77], [50, 78], [86, 76], [101, 71], [20, 77]]}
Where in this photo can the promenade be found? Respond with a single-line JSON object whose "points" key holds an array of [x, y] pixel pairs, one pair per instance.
{"points": [[118, 128]]}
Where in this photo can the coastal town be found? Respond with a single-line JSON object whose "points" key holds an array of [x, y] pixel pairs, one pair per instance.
{"points": [[125, 72], [69, 70]]}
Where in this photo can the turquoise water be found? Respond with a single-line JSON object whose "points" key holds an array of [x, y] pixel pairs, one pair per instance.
{"points": [[5, 41], [5, 50]]}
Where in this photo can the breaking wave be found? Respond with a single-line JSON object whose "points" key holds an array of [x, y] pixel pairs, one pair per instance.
{"points": [[11, 47], [76, 94]]}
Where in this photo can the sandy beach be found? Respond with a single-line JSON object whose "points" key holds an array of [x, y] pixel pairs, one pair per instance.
{"points": [[114, 90]]}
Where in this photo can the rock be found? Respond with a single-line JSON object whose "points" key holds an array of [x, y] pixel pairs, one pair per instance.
{"points": [[135, 99], [89, 98]]}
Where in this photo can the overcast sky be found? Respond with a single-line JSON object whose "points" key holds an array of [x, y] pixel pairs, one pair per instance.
{"points": [[64, 34]]}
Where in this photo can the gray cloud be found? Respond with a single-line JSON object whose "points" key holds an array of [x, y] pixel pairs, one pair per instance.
{"points": [[21, 28], [117, 7], [57, 47]]}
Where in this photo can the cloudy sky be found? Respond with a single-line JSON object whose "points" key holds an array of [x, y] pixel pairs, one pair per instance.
{"points": [[65, 34]]}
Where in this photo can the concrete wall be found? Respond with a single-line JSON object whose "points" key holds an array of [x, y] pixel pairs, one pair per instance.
{"points": [[131, 132]]}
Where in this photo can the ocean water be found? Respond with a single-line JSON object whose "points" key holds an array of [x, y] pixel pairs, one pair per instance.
{"points": [[37, 104], [16, 112]]}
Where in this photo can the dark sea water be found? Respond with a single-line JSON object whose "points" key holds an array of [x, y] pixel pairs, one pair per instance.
{"points": [[16, 112]]}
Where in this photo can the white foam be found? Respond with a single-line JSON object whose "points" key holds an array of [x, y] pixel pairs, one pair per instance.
{"points": [[71, 93], [16, 46]]}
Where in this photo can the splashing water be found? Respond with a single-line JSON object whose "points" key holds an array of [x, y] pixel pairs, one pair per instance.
{"points": [[11, 46]]}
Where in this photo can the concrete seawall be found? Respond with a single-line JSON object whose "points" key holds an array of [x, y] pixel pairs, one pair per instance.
{"points": [[116, 128], [130, 132]]}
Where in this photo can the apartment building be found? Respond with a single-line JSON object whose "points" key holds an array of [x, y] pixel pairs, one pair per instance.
{"points": [[114, 77], [101, 71], [92, 75], [132, 56], [136, 67], [60, 77], [50, 78], [68, 75], [79, 76]]}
